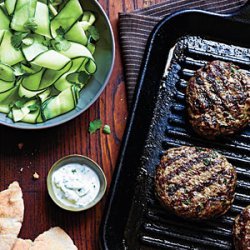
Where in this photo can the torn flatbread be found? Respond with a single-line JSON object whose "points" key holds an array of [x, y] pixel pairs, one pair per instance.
{"points": [[22, 244], [53, 239], [11, 215]]}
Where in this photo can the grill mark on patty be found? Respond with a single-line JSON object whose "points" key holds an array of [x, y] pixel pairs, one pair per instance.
{"points": [[226, 192], [196, 171], [186, 166], [172, 159], [222, 86], [190, 194], [200, 187], [216, 86]]}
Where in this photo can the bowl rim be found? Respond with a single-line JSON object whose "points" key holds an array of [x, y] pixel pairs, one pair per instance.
{"points": [[27, 126], [52, 195]]}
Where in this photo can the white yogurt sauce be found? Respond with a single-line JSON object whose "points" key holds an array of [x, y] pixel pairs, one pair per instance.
{"points": [[75, 185]]}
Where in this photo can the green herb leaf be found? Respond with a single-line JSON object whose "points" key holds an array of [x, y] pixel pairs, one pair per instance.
{"points": [[20, 103], [46, 42], [60, 44], [106, 129], [17, 38], [60, 31], [187, 202], [206, 161], [94, 126], [214, 155], [33, 107], [94, 33], [199, 149], [30, 24]]}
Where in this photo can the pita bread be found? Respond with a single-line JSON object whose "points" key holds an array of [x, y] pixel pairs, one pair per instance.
{"points": [[22, 244], [11, 215], [53, 239]]}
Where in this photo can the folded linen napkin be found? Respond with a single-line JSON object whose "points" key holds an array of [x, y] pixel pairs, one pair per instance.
{"points": [[135, 28]]}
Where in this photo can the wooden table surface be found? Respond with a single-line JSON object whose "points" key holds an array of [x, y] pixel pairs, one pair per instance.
{"points": [[42, 148]]}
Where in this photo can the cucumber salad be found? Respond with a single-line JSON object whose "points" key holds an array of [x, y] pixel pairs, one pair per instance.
{"points": [[46, 57]]}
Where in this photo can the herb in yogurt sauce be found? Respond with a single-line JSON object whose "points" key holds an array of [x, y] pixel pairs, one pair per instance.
{"points": [[75, 185]]}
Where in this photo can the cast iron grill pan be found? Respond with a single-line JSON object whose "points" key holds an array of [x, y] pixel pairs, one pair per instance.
{"points": [[134, 218]]}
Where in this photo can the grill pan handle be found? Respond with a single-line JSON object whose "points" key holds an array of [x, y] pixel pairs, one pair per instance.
{"points": [[243, 15]]}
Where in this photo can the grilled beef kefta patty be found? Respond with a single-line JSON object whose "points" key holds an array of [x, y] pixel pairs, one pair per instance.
{"points": [[242, 230], [218, 99], [195, 182]]}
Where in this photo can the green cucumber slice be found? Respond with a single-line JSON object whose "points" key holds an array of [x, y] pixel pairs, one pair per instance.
{"points": [[51, 76], [61, 84], [5, 22], [4, 86], [6, 98], [25, 113], [18, 114], [77, 34], [1, 35], [42, 20], [39, 118], [30, 69], [91, 48], [23, 92], [60, 104], [88, 19], [32, 82], [68, 15], [51, 59], [77, 50], [31, 117], [4, 108], [10, 6], [44, 95], [35, 49], [8, 54], [6, 73], [23, 13]]}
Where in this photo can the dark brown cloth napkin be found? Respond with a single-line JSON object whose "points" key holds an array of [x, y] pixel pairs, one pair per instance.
{"points": [[136, 27]]}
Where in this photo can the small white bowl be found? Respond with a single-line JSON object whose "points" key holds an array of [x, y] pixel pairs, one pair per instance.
{"points": [[83, 160]]}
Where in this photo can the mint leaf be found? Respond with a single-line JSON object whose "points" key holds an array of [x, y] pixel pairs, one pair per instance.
{"points": [[33, 107], [59, 44], [17, 38], [106, 129], [94, 126], [94, 33], [60, 31], [30, 24], [46, 42], [20, 103]]}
